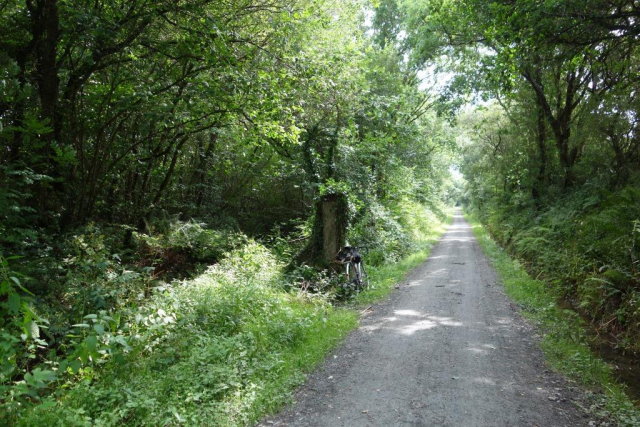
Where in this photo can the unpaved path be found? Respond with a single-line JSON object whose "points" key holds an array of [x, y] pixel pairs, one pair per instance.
{"points": [[446, 349]]}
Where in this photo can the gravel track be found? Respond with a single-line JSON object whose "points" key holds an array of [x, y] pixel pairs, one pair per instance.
{"points": [[447, 348]]}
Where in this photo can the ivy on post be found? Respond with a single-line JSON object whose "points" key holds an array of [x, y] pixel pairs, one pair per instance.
{"points": [[331, 220], [334, 216]]}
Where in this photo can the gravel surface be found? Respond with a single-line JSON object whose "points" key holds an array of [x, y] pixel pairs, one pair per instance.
{"points": [[447, 348]]}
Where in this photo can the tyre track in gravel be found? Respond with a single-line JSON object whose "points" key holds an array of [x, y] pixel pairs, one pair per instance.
{"points": [[448, 348]]}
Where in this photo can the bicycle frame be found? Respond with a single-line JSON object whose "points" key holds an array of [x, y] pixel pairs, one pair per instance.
{"points": [[351, 258]]}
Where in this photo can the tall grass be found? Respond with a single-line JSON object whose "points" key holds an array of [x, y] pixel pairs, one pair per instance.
{"points": [[219, 350]]}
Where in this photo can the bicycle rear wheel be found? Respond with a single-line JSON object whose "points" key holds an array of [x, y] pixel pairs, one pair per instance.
{"points": [[355, 275]]}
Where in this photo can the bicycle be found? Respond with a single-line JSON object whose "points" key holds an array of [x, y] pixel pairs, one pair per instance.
{"points": [[355, 271]]}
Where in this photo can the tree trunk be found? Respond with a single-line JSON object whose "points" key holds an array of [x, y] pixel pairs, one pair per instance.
{"points": [[621, 164], [49, 82], [562, 133], [167, 176], [560, 122], [202, 169], [541, 181]]}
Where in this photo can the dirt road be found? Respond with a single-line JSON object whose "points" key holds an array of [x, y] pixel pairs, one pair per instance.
{"points": [[446, 349]]}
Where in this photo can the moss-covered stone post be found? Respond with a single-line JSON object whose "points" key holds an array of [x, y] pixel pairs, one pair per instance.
{"points": [[329, 230], [333, 209]]}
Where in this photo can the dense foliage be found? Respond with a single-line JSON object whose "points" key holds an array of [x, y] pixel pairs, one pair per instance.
{"points": [[551, 152], [145, 143], [167, 170]]}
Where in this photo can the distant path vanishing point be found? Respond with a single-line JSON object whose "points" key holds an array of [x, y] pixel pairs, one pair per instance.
{"points": [[446, 349]]}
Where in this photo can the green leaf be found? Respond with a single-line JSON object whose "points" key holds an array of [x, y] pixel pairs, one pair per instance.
{"points": [[75, 366], [83, 354], [44, 376], [14, 303], [81, 325], [91, 342], [47, 404]]}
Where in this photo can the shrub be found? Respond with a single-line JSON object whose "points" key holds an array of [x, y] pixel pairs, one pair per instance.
{"points": [[587, 245], [204, 351], [183, 244], [20, 340], [391, 234]]}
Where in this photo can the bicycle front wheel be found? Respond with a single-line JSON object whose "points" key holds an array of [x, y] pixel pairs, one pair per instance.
{"points": [[364, 277]]}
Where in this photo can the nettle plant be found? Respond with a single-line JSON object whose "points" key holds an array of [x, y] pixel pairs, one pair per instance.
{"points": [[20, 341], [33, 357]]}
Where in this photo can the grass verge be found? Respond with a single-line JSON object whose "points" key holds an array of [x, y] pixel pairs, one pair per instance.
{"points": [[565, 341]]}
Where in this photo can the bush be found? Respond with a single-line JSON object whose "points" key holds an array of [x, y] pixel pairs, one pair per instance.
{"points": [[390, 234], [19, 342], [83, 318], [587, 245], [204, 351], [113, 343], [174, 251]]}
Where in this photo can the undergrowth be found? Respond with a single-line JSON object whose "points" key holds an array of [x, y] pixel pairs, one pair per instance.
{"points": [[565, 341], [218, 350], [221, 349], [586, 245]]}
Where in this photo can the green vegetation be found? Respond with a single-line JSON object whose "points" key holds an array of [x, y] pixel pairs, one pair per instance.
{"points": [[564, 338], [549, 152], [426, 228], [585, 246], [220, 349], [551, 156], [223, 348], [177, 176], [547, 101]]}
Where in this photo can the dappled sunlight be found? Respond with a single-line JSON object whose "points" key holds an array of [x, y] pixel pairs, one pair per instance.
{"points": [[427, 322], [420, 325], [476, 350], [407, 313], [459, 232], [408, 322], [480, 349], [447, 321], [457, 239]]}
